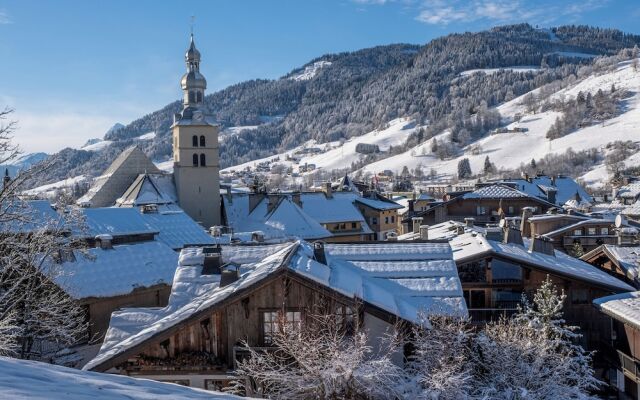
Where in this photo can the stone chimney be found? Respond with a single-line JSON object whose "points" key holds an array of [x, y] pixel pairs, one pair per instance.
{"points": [[424, 232], [416, 224], [469, 221], [459, 229], [327, 190], [525, 225], [542, 244], [493, 233], [229, 274], [104, 241], [318, 252], [512, 234]]}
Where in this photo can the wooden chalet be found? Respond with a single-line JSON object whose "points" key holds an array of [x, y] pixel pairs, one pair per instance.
{"points": [[222, 297], [621, 260]]}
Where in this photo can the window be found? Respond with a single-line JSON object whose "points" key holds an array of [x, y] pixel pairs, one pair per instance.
{"points": [[345, 318], [474, 298], [503, 271], [374, 221], [580, 296], [354, 225], [195, 160], [202, 141], [393, 219], [604, 231], [194, 141], [199, 97], [386, 220], [577, 232], [192, 97], [343, 226], [271, 320], [592, 231], [480, 210], [203, 160], [511, 210]]}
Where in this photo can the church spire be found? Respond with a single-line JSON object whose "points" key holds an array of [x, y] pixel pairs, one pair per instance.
{"points": [[192, 82]]}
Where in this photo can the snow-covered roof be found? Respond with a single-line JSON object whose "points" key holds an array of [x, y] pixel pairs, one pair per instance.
{"points": [[176, 228], [149, 189], [117, 271], [378, 204], [626, 257], [116, 221], [402, 279], [337, 208], [630, 191], [470, 245], [633, 209], [624, 307], [566, 188], [495, 192], [33, 380], [33, 215]]}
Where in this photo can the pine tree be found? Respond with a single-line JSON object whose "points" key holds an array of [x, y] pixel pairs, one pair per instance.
{"points": [[489, 168], [533, 164], [464, 169]]}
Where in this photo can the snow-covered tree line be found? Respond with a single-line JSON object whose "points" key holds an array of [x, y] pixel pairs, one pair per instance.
{"points": [[532, 355], [36, 315]]}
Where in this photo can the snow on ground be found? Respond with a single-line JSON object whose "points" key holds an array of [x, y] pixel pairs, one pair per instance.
{"points": [[310, 71], [574, 54], [147, 136], [234, 130], [335, 155], [50, 189], [509, 150], [32, 380], [97, 146], [489, 71]]}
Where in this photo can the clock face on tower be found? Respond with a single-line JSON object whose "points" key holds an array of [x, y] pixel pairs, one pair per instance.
{"points": [[198, 116]]}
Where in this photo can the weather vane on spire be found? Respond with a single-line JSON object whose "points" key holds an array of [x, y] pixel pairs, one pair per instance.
{"points": [[193, 21]]}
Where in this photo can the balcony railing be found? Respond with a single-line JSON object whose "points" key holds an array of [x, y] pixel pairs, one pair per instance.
{"points": [[481, 315], [629, 365]]}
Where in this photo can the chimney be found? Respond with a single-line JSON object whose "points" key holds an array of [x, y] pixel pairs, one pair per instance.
{"points": [[512, 235], [493, 233], [416, 224], [318, 252], [553, 180], [469, 221], [295, 197], [551, 195], [212, 260], [104, 241], [627, 236], [459, 229], [525, 225], [327, 190], [229, 273], [542, 244], [424, 232], [392, 237]]}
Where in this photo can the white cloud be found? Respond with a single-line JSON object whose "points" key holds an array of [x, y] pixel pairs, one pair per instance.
{"points": [[4, 18], [439, 12]]}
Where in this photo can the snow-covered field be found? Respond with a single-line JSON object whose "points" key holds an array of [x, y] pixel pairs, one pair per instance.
{"points": [[50, 189], [310, 71], [32, 380]]}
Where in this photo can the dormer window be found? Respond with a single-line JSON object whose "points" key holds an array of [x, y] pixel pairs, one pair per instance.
{"points": [[194, 141]]}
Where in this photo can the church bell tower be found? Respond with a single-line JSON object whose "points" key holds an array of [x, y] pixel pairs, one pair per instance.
{"points": [[196, 166]]}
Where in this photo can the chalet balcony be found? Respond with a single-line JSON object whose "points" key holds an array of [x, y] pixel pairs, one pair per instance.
{"points": [[629, 365], [589, 240], [483, 315]]}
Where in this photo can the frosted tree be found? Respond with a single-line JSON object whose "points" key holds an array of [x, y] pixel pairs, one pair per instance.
{"points": [[464, 169], [489, 168], [322, 359], [440, 365], [35, 313], [533, 355]]}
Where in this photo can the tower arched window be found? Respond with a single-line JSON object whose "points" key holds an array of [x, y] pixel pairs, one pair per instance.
{"points": [[192, 97], [203, 160], [194, 141], [195, 160], [199, 97], [202, 141]]}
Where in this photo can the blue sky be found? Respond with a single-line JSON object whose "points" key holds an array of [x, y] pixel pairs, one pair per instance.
{"points": [[72, 68]]}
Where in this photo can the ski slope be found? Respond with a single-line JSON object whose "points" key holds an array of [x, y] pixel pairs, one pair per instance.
{"points": [[509, 150]]}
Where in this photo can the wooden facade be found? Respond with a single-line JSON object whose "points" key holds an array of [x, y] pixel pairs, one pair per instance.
{"points": [[202, 350], [380, 221], [604, 260]]}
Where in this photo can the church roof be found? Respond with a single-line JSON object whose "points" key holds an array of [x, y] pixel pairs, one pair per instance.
{"points": [[149, 189]]}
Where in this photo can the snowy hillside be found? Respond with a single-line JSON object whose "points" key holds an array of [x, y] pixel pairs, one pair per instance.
{"points": [[23, 161], [310, 71], [337, 155], [32, 380], [509, 150]]}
